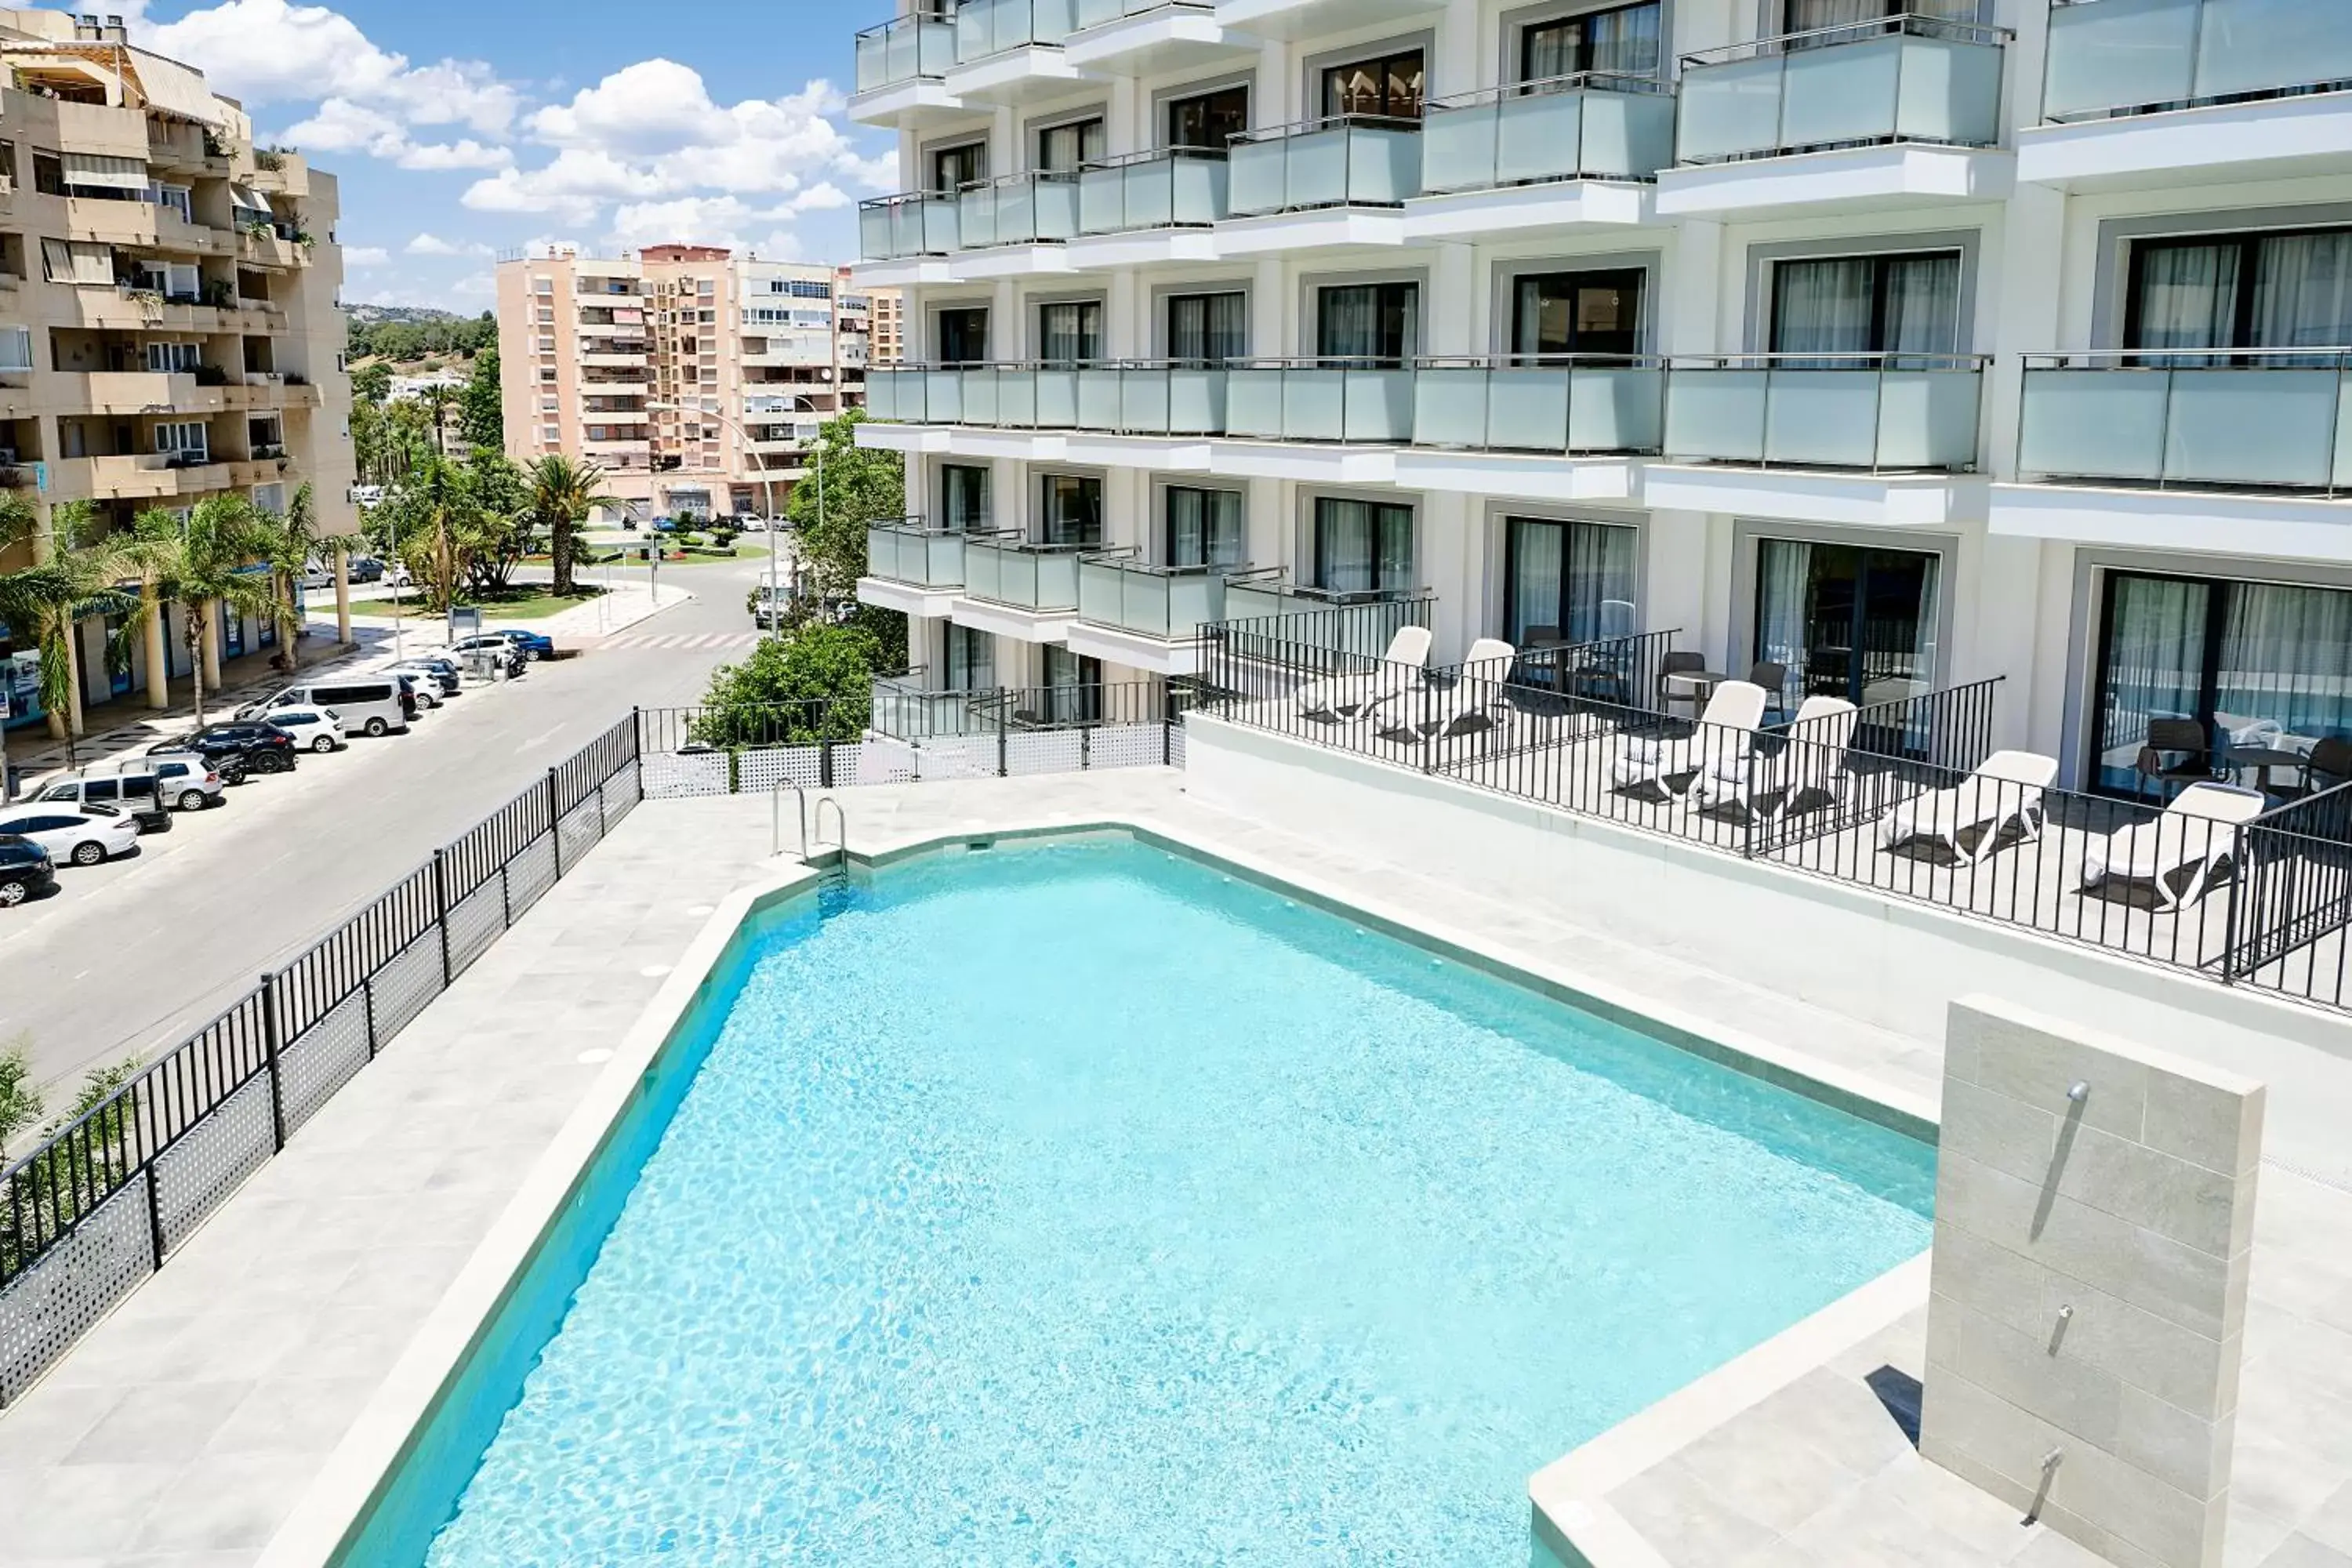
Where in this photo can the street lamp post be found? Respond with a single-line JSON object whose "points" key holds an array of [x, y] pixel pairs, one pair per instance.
{"points": [[768, 486]]}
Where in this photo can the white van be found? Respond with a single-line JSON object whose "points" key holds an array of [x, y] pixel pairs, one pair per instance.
{"points": [[367, 704]]}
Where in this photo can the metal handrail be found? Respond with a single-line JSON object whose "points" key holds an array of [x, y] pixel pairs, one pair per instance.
{"points": [[1321, 361], [1152, 155], [1019, 177], [1121, 559], [1534, 87], [903, 198], [1023, 546], [1323, 122], [1515, 361], [2170, 358], [883, 29], [1863, 359], [1907, 22]]}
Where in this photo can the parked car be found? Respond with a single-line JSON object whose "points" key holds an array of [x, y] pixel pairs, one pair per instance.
{"points": [[191, 784], [444, 670], [137, 796], [372, 704], [365, 569], [318, 576], [257, 748], [534, 645], [491, 646], [86, 836], [26, 870], [421, 689], [313, 728]]}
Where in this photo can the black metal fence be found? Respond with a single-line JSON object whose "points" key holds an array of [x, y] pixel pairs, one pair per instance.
{"points": [[108, 1198]]}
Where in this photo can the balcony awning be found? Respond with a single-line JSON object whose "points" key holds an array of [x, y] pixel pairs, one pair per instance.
{"points": [[177, 89], [246, 199], [103, 169], [77, 262]]}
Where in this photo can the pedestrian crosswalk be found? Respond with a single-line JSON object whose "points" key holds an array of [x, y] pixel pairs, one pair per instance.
{"points": [[681, 639]]}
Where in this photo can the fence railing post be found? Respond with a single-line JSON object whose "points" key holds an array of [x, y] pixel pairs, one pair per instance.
{"points": [[2242, 884], [270, 1044], [441, 912], [555, 820], [367, 996], [825, 764], [155, 1215], [1004, 707]]}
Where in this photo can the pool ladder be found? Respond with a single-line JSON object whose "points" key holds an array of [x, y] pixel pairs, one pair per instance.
{"points": [[800, 799]]}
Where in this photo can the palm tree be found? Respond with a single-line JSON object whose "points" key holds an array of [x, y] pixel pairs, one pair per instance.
{"points": [[438, 400], [564, 493], [204, 562], [79, 577], [435, 520], [291, 542]]}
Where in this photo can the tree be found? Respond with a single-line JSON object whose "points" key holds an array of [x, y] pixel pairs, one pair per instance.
{"points": [[502, 513], [74, 572], [437, 400], [20, 1098], [434, 523], [202, 562], [481, 410], [372, 383], [861, 486], [818, 685], [562, 494], [290, 544]]}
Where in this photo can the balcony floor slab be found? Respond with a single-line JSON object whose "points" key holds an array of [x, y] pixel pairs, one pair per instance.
{"points": [[1561, 207], [1305, 18], [881, 437], [1521, 475], [906, 105], [1142, 248], [2268, 139], [1323, 228], [1817, 494], [1303, 460], [1012, 620], [1137, 651], [1017, 76], [2279, 527], [1159, 454], [902, 273], [907, 598], [1848, 179], [1174, 38], [1024, 445], [1008, 262]]}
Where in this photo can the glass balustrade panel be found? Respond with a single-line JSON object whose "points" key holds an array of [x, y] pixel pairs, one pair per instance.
{"points": [[1459, 148], [1541, 137], [1256, 176], [1928, 419], [1527, 408], [1615, 408], [2118, 54], [1827, 417], [2252, 427], [1449, 406], [1729, 110], [1716, 415], [2093, 424], [1254, 403]]}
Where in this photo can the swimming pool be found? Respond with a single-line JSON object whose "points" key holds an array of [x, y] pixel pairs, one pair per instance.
{"points": [[1082, 1204]]}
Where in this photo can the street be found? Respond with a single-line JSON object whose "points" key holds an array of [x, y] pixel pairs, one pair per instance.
{"points": [[127, 958]]}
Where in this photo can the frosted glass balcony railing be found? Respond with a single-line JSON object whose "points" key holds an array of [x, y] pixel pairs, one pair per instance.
{"points": [[894, 395], [985, 27], [1319, 400], [1032, 209], [919, 223], [910, 552], [1008, 570], [1539, 403], [1902, 78], [905, 49], [1347, 160], [1171, 602], [1101, 12], [1140, 397], [1872, 411], [2136, 56], [1152, 398], [1176, 187], [2267, 418], [904, 708], [1594, 125]]}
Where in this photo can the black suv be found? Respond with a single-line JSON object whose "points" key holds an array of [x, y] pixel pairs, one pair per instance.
{"points": [[244, 746], [24, 870]]}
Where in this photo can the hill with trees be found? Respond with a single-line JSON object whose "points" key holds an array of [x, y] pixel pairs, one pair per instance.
{"points": [[406, 334]]}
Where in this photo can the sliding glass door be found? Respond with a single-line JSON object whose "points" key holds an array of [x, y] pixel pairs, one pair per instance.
{"points": [[1362, 547], [1847, 306], [1204, 527], [1390, 86], [1376, 325], [1579, 312], [1844, 621], [963, 498], [1070, 333], [963, 336], [971, 660], [1073, 687], [1566, 582], [2261, 666], [2240, 291], [1069, 509], [1205, 331], [1209, 118], [1624, 41]]}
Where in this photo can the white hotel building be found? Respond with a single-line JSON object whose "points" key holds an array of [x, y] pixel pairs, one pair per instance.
{"points": [[1903, 344]]}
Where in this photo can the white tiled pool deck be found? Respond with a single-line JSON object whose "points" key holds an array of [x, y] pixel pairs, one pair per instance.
{"points": [[187, 1428]]}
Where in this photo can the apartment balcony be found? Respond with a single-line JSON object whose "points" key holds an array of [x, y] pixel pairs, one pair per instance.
{"points": [[1542, 157], [129, 477], [144, 226], [147, 311], [260, 247], [1501, 426], [1149, 617], [1310, 412], [1366, 631], [1010, 51], [907, 239], [1147, 37], [912, 567], [1014, 226], [2247, 452], [1136, 413], [142, 392], [1150, 208], [1016, 588], [280, 173], [2151, 94], [902, 67], [1886, 113], [1884, 439], [1321, 184], [618, 356]]}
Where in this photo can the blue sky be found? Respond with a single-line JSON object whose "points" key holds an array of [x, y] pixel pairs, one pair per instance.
{"points": [[459, 129]]}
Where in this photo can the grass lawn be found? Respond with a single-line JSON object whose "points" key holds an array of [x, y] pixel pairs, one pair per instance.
{"points": [[525, 601]]}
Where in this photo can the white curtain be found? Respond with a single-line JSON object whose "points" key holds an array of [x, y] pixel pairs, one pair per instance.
{"points": [[1538, 559], [1599, 582], [1070, 334], [1073, 510], [1350, 319], [963, 498], [972, 659], [2303, 294], [1922, 308], [2285, 652], [1204, 527], [1822, 307], [1784, 572], [1360, 546], [2188, 297], [1207, 329], [2153, 665]]}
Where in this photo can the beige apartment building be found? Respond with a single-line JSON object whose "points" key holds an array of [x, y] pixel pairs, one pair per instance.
{"points": [[169, 326], [695, 377]]}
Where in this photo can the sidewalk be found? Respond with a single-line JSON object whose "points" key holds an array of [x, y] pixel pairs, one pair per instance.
{"points": [[625, 605]]}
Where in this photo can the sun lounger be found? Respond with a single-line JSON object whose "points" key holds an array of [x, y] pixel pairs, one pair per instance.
{"points": [[2179, 853], [2005, 787]]}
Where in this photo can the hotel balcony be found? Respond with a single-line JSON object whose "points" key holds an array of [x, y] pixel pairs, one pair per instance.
{"points": [[1010, 51], [907, 239], [1150, 207], [1014, 226], [1018, 588], [1312, 418], [1542, 157], [1147, 37], [142, 226], [1886, 113], [1305, 18], [1146, 616], [1500, 426], [1140, 414], [912, 567], [902, 67], [1884, 439], [2153, 94], [2244, 451], [1321, 184]]}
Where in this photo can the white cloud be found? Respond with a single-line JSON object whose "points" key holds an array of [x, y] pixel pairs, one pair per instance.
{"points": [[430, 244], [365, 255], [268, 51], [575, 186], [340, 125]]}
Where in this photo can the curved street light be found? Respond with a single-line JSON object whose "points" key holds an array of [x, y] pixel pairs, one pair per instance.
{"points": [[767, 483]]}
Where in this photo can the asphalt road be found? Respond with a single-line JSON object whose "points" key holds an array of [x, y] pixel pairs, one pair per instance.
{"points": [[129, 958]]}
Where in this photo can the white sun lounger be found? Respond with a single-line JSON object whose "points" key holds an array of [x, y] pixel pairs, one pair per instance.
{"points": [[1349, 696], [1433, 708], [2193, 835], [1727, 733], [1814, 759], [2005, 787]]}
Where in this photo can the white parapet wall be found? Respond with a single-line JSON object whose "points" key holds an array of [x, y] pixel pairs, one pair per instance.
{"points": [[2094, 1203], [1886, 961]]}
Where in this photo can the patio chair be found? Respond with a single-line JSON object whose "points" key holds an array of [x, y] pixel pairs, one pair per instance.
{"points": [[1814, 759], [1670, 691], [2181, 852], [1774, 678], [2329, 763], [2176, 753], [1439, 708], [1341, 699], [1726, 734], [2005, 787]]}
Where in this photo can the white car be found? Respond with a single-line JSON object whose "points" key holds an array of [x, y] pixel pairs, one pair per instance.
{"points": [[74, 834], [421, 684], [313, 728]]}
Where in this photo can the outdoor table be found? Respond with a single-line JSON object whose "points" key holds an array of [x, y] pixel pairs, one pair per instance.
{"points": [[1692, 686], [2263, 759]]}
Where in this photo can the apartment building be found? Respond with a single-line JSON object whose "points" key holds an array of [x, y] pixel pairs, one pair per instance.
{"points": [[1898, 343], [889, 326], [696, 377], [169, 327]]}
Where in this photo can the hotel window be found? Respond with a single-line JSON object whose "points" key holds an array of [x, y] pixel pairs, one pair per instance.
{"points": [[1568, 582], [952, 168], [186, 440], [1208, 328], [963, 336], [1208, 119], [2241, 291], [1845, 621], [169, 358], [542, 285], [1390, 86], [963, 498], [1362, 547], [1070, 333], [1062, 148], [1895, 307], [972, 659], [1579, 312], [1073, 685], [1624, 41], [1069, 509], [1377, 324], [1815, 16], [1205, 528], [15, 348]]}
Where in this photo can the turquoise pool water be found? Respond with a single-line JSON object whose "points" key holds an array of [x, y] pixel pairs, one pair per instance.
{"points": [[1083, 1205]]}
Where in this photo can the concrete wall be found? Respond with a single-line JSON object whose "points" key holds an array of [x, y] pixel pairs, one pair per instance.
{"points": [[2094, 1203]]}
